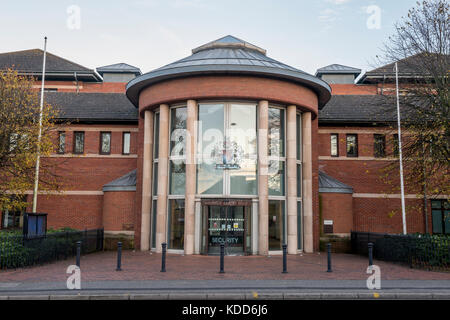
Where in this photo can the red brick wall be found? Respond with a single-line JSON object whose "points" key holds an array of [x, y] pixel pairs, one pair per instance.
{"points": [[347, 89], [339, 208], [75, 211], [228, 87], [385, 215], [81, 174], [119, 210]]}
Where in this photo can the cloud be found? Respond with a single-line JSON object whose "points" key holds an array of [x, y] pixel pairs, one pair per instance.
{"points": [[338, 2], [328, 15]]}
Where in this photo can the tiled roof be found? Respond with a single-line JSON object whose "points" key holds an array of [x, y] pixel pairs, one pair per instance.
{"points": [[93, 106], [412, 66], [30, 62], [358, 109]]}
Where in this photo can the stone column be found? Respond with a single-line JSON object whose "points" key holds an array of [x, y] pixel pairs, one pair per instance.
{"points": [[291, 175], [189, 209], [307, 182], [263, 184], [147, 181], [163, 162]]}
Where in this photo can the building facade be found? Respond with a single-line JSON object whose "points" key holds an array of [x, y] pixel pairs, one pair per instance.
{"points": [[225, 146]]}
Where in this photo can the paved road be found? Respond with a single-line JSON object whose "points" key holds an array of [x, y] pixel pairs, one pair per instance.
{"points": [[229, 289]]}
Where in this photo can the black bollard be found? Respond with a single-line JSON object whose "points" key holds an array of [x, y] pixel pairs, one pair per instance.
{"points": [[222, 254], [370, 253], [119, 256], [78, 253], [329, 257], [163, 262], [284, 258]]}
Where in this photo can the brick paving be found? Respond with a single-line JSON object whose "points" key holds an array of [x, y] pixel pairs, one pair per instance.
{"points": [[146, 266]]}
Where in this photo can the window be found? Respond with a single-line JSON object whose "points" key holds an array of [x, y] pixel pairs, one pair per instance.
{"points": [[334, 141], [276, 224], [155, 175], [440, 213], [176, 224], [379, 145], [395, 145], [61, 142], [78, 142], [105, 142], [227, 161], [276, 152], [352, 145], [177, 156], [11, 219], [126, 143]]}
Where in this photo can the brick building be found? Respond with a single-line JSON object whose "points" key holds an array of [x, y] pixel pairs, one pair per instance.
{"points": [[224, 146]]}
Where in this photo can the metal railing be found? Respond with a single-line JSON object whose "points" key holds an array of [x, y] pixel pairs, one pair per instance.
{"points": [[18, 251], [423, 251]]}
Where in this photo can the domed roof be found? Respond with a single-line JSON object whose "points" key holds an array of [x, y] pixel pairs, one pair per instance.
{"points": [[228, 55]]}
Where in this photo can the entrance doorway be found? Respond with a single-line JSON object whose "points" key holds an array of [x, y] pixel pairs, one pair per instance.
{"points": [[226, 222]]}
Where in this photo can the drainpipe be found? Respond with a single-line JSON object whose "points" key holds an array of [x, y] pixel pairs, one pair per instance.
{"points": [[76, 79]]}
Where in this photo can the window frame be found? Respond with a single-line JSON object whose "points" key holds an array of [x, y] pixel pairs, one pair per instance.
{"points": [[100, 151], [74, 151], [123, 143], [337, 144], [376, 144], [60, 133], [350, 155]]}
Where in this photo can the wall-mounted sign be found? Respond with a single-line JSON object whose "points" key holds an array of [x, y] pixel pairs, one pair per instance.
{"points": [[328, 222]]}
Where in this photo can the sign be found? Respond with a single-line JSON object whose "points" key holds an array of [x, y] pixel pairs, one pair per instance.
{"points": [[228, 240], [328, 222]]}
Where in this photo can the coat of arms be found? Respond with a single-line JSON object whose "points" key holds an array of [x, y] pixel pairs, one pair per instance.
{"points": [[228, 155]]}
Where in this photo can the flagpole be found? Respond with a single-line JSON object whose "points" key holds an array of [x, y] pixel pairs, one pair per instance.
{"points": [[400, 152], [38, 157]]}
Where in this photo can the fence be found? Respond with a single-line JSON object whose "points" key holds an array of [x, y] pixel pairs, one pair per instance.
{"points": [[19, 251], [424, 251]]}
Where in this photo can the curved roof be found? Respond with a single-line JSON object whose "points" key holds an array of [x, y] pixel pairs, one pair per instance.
{"points": [[228, 55]]}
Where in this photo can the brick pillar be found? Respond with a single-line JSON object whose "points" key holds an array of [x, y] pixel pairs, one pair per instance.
{"points": [[147, 181], [163, 162], [263, 184], [291, 175], [307, 182], [191, 179]]}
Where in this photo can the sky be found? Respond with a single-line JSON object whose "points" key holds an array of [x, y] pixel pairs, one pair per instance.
{"points": [[305, 34]]}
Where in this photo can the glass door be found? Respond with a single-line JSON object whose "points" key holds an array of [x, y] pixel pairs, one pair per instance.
{"points": [[226, 226]]}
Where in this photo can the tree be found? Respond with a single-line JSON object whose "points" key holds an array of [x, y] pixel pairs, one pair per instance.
{"points": [[19, 127], [421, 45]]}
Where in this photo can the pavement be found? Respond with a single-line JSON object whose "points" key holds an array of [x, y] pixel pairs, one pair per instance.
{"points": [[245, 278]]}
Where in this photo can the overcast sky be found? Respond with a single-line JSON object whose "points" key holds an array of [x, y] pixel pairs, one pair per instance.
{"points": [[306, 34]]}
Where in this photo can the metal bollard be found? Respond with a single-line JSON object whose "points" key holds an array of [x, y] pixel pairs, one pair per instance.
{"points": [[163, 258], [119, 256], [370, 253], [284, 258], [78, 253], [222, 254], [329, 257]]}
